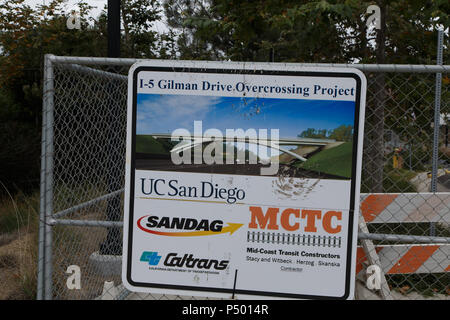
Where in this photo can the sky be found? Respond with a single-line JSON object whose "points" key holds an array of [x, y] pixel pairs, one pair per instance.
{"points": [[165, 113]]}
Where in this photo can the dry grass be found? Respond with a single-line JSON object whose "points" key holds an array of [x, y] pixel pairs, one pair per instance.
{"points": [[19, 250], [18, 246], [18, 269]]}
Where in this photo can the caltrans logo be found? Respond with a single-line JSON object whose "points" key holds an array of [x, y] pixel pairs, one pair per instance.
{"points": [[187, 227], [151, 257]]}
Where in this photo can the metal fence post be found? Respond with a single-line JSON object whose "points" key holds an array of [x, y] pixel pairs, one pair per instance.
{"points": [[49, 135], [437, 117]]}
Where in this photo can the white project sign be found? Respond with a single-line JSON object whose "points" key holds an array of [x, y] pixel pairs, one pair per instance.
{"points": [[242, 179]]}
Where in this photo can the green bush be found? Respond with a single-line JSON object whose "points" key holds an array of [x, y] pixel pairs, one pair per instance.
{"points": [[394, 181], [398, 180]]}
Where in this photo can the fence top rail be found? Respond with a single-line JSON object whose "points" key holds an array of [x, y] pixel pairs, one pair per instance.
{"points": [[218, 64]]}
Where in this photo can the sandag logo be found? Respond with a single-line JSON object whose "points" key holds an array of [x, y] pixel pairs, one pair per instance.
{"points": [[189, 227]]}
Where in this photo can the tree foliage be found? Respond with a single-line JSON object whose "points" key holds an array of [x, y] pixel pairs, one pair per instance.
{"points": [[341, 133], [138, 17], [304, 31]]}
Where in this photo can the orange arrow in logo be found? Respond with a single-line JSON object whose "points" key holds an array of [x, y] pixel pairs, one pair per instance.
{"points": [[231, 228]]}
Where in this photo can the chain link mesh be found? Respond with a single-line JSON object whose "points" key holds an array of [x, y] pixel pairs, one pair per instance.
{"points": [[90, 103]]}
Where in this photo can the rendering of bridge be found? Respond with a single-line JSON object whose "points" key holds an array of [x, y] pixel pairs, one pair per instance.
{"points": [[190, 141]]}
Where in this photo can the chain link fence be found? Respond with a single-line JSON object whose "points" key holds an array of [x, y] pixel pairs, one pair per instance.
{"points": [[404, 220]]}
